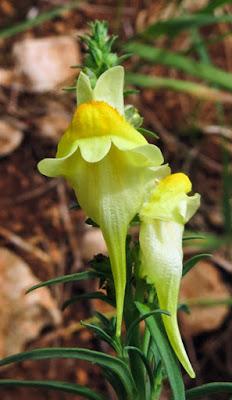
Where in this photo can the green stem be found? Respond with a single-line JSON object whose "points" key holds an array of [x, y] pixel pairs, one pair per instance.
{"points": [[156, 392], [158, 381], [130, 314]]}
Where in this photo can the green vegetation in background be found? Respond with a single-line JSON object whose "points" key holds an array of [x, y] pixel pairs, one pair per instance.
{"points": [[174, 60], [38, 20]]}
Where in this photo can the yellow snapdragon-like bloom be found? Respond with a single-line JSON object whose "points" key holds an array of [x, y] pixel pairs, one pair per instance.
{"points": [[109, 164], [163, 218]]}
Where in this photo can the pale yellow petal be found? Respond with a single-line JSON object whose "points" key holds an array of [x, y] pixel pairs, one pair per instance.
{"points": [[161, 266], [109, 88], [83, 89], [94, 149], [169, 201], [111, 192]]}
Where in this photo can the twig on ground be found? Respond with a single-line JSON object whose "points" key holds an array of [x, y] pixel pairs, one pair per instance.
{"points": [[34, 193], [176, 145], [68, 331], [68, 226], [24, 245]]}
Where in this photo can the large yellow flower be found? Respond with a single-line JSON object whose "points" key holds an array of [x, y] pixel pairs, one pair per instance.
{"points": [[163, 217], [109, 164]]}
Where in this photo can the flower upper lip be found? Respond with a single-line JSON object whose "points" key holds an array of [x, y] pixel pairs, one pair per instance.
{"points": [[94, 128], [98, 118]]}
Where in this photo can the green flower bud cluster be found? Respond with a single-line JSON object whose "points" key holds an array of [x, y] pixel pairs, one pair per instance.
{"points": [[99, 55]]}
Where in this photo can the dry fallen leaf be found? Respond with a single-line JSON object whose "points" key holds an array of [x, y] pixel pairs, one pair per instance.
{"points": [[203, 282], [45, 62], [22, 316]]}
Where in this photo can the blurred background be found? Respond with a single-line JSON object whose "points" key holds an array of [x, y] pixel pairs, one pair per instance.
{"points": [[182, 65]]}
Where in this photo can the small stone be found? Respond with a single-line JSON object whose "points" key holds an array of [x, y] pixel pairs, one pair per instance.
{"points": [[46, 62], [23, 316], [203, 282]]}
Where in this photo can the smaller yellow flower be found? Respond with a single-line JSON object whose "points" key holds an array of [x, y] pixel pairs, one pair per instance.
{"points": [[163, 217]]}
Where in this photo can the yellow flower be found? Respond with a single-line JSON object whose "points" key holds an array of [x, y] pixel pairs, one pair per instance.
{"points": [[109, 164], [163, 218]]}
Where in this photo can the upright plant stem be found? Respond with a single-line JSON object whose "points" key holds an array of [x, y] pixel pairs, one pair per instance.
{"points": [[137, 367]]}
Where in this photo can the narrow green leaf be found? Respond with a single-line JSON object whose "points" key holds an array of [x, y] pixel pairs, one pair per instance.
{"points": [[91, 295], [155, 327], [158, 380], [115, 383], [213, 4], [79, 276], [189, 264], [210, 242], [102, 334], [53, 385], [103, 319], [198, 302], [142, 318], [194, 89], [144, 360], [70, 89], [174, 60], [128, 92], [200, 47], [209, 388], [184, 308], [174, 26], [116, 365], [194, 237], [147, 132], [40, 19]]}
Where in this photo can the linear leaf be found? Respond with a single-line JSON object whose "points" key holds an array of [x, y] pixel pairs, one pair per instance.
{"points": [[79, 276], [40, 19], [210, 242], [194, 89], [115, 383], [175, 60], [91, 295], [204, 302], [144, 360], [142, 318], [194, 237], [174, 26], [213, 4], [154, 325], [116, 365], [209, 388], [53, 385], [189, 264], [102, 334], [147, 132]]}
